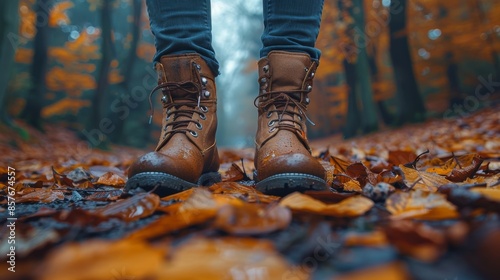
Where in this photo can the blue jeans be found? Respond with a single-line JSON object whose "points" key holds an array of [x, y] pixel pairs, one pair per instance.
{"points": [[184, 26]]}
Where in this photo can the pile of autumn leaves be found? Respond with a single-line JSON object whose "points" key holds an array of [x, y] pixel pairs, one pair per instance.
{"points": [[458, 179]]}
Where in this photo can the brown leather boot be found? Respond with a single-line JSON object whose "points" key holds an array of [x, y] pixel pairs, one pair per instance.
{"points": [[186, 155], [283, 158]]}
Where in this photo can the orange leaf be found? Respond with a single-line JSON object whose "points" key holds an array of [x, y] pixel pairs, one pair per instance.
{"points": [[41, 196], [131, 209], [98, 259], [111, 179], [253, 218], [349, 207], [420, 205], [227, 258]]}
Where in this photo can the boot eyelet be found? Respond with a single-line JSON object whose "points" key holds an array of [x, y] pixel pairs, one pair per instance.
{"points": [[203, 116], [164, 99], [312, 74], [300, 118], [271, 123], [309, 88], [194, 133], [167, 118], [307, 100], [204, 80], [269, 114], [204, 109], [206, 93], [265, 68], [272, 129], [199, 126]]}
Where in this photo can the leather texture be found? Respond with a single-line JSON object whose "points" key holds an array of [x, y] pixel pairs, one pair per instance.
{"points": [[186, 148], [285, 79]]}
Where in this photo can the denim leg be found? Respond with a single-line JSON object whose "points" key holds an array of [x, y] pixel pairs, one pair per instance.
{"points": [[291, 25], [182, 26]]}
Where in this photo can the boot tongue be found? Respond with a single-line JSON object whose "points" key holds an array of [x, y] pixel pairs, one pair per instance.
{"points": [[288, 73], [179, 70]]}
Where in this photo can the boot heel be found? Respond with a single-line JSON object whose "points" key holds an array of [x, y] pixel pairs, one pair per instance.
{"points": [[209, 179]]}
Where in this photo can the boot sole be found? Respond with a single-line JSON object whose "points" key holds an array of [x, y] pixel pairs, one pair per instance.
{"points": [[286, 183], [165, 184]]}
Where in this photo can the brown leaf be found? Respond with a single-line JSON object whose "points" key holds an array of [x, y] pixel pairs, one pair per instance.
{"points": [[420, 205], [401, 157], [111, 179], [417, 240], [459, 175], [227, 258], [245, 193], [247, 219], [375, 238], [350, 207], [233, 174], [44, 195], [131, 209], [99, 259], [422, 180], [340, 164], [328, 196]]}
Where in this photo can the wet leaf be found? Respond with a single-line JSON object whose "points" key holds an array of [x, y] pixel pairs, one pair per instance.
{"points": [[99, 259], [131, 209], [422, 180], [420, 205], [111, 179], [401, 157], [248, 219], [245, 193], [349, 207], [78, 175], [375, 238], [459, 175], [44, 195], [227, 258], [417, 240]]}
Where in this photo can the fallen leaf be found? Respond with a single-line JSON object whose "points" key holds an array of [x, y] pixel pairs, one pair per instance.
{"points": [[375, 238], [111, 179], [422, 180], [227, 258], [349, 207], [99, 259], [131, 209], [44, 195], [247, 219], [401, 157], [490, 193], [419, 204], [416, 239], [245, 193]]}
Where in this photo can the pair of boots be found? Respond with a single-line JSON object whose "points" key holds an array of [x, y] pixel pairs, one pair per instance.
{"points": [[186, 155]]}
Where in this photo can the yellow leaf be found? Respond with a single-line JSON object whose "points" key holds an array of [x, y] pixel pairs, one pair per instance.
{"points": [[349, 207], [420, 205], [423, 180]]}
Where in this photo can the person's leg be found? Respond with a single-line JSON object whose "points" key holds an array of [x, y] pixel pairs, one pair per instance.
{"points": [[180, 27], [291, 25], [186, 155], [283, 159]]}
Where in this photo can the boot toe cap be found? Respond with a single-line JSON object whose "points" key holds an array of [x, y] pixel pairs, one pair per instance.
{"points": [[157, 162], [291, 163]]}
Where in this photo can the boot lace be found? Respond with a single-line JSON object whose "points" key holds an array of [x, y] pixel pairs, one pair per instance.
{"points": [[184, 106], [285, 105]]}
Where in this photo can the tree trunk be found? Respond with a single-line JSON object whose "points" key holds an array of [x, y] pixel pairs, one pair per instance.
{"points": [[97, 116], [128, 67], [36, 95], [410, 105], [360, 82], [9, 25]]}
